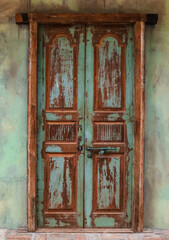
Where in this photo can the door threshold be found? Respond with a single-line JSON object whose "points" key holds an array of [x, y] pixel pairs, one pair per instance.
{"points": [[84, 230]]}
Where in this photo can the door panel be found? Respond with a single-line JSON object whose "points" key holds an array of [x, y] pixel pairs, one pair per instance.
{"points": [[108, 124], [109, 54], [61, 180], [108, 177], [61, 73], [60, 113]]}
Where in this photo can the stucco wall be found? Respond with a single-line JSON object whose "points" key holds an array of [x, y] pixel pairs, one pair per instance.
{"points": [[13, 104]]}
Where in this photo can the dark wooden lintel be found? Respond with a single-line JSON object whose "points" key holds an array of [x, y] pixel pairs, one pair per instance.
{"points": [[131, 18], [152, 19]]}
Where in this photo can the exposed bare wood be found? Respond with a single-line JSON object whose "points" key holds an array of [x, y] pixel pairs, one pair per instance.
{"points": [[87, 18], [32, 128], [139, 30]]}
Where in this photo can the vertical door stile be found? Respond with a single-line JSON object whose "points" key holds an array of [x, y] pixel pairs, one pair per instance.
{"points": [[81, 110], [139, 35], [88, 127]]}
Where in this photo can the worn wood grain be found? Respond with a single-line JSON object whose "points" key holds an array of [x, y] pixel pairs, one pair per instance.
{"points": [[139, 30], [87, 18], [32, 128]]}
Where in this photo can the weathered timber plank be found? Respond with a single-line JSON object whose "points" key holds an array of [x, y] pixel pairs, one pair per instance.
{"points": [[32, 128], [87, 18], [139, 30]]}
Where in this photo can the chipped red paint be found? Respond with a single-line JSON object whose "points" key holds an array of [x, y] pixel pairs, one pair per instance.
{"points": [[109, 132], [60, 131]]}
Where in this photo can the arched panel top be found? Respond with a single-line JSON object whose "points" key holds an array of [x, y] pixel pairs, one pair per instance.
{"points": [[111, 35], [62, 35]]}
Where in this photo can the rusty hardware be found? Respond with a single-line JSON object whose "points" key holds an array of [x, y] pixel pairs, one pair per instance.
{"points": [[102, 150], [79, 133], [80, 148]]}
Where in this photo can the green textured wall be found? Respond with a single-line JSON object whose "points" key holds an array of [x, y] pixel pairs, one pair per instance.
{"points": [[13, 104]]}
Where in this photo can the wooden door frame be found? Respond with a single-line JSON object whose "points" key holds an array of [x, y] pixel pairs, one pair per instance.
{"points": [[138, 20]]}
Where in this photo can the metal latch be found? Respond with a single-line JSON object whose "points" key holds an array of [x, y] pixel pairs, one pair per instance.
{"points": [[102, 150]]}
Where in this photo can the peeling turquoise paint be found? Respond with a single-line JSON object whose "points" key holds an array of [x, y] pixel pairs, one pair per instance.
{"points": [[61, 80], [106, 195], [111, 57], [53, 222], [57, 183], [129, 117]]}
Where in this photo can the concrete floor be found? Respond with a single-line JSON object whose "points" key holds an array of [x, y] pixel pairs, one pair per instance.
{"points": [[17, 235]]}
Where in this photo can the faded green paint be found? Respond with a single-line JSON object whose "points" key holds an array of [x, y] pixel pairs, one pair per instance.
{"points": [[81, 94], [58, 183], [104, 222], [13, 94], [55, 117], [89, 130], [129, 116], [41, 135]]}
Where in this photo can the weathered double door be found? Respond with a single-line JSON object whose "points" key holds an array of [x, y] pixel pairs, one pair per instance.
{"points": [[85, 126]]}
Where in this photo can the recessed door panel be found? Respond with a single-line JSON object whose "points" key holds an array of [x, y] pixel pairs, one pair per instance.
{"points": [[61, 55], [108, 178], [60, 180]]}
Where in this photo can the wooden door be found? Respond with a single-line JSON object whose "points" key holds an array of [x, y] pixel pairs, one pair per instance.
{"points": [[109, 126], [61, 61], [85, 126]]}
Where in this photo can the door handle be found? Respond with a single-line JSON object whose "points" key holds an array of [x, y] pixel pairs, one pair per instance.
{"points": [[79, 148], [102, 150]]}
